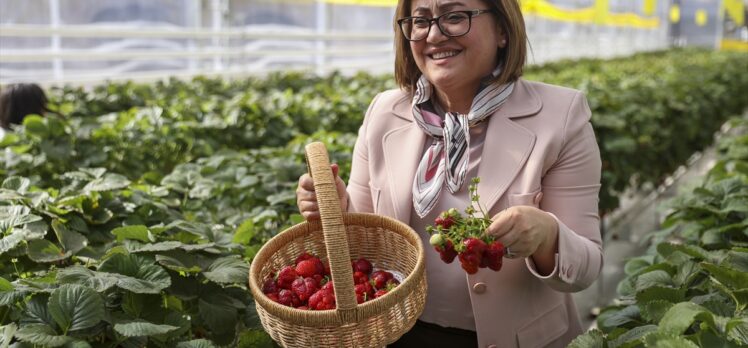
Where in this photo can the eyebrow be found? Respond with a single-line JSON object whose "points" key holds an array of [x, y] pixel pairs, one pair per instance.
{"points": [[444, 7]]}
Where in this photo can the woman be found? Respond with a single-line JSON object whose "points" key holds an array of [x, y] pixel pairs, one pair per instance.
{"points": [[463, 111]]}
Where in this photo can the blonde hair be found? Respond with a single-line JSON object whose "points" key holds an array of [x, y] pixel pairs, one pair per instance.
{"points": [[509, 20]]}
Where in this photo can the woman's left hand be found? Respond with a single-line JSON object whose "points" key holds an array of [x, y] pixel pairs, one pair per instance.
{"points": [[525, 231]]}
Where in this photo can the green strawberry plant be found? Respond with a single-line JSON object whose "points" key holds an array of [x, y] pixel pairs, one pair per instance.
{"points": [[691, 288]]}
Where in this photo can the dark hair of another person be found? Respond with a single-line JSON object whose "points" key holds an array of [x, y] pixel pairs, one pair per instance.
{"points": [[19, 100]]}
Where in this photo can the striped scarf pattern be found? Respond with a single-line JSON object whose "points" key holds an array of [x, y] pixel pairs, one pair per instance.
{"points": [[447, 158]]}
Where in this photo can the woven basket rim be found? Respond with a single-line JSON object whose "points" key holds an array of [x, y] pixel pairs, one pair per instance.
{"points": [[314, 318]]}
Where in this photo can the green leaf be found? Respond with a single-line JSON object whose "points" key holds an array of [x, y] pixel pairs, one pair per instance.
{"points": [[654, 278], [8, 294], [620, 317], [736, 260], [217, 310], [255, 338], [136, 247], [35, 125], [41, 334], [180, 263], [136, 273], [11, 241], [70, 240], [227, 270], [653, 311], [9, 331], [590, 339], [16, 183], [661, 293], [682, 315], [136, 232], [634, 265], [660, 340], [76, 307], [37, 311], [109, 182], [244, 233], [729, 277], [142, 328], [42, 250], [99, 281], [665, 249], [200, 343], [737, 330], [634, 335]]}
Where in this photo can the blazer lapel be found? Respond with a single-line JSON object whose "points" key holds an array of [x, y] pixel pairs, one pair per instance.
{"points": [[402, 153], [507, 145]]}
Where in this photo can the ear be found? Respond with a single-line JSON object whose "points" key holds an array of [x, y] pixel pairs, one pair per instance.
{"points": [[502, 39]]}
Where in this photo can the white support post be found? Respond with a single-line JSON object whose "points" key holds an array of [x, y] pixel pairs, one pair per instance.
{"points": [[217, 15], [321, 30], [54, 22]]}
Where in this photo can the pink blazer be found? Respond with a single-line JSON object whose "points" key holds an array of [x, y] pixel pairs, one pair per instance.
{"points": [[540, 150]]}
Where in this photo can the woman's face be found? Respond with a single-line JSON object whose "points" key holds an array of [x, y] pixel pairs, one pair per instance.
{"points": [[456, 62]]}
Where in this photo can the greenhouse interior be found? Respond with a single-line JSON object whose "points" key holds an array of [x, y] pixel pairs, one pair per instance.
{"points": [[493, 173]]}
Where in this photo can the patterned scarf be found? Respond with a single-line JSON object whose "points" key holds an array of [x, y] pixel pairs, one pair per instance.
{"points": [[448, 156]]}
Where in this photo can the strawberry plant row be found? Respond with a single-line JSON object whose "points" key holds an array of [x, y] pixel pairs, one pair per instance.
{"points": [[690, 289]]}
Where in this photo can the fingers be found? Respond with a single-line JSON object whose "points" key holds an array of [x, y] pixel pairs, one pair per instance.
{"points": [[306, 198], [509, 228]]}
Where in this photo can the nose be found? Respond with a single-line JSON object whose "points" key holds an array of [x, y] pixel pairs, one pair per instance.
{"points": [[435, 34]]}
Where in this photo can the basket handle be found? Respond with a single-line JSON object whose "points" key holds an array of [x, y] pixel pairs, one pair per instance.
{"points": [[333, 228]]}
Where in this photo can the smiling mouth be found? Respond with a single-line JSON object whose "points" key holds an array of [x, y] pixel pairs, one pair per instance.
{"points": [[443, 55]]}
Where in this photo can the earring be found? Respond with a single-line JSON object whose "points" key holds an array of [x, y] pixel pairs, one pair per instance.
{"points": [[503, 42]]}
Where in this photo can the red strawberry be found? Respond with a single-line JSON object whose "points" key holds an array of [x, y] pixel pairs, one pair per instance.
{"points": [[364, 292], [380, 293], [474, 245], [328, 287], [310, 267], [392, 282], [304, 288], [469, 262], [447, 252], [304, 256], [326, 266], [269, 286], [273, 296], [362, 265], [288, 298], [286, 276], [379, 279], [493, 255], [360, 277], [322, 300]]}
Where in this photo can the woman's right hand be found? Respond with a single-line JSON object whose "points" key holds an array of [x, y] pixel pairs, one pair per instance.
{"points": [[306, 199]]}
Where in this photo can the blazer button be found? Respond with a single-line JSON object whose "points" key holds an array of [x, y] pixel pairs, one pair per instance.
{"points": [[479, 287]]}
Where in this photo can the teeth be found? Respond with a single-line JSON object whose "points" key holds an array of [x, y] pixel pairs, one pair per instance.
{"points": [[446, 54]]}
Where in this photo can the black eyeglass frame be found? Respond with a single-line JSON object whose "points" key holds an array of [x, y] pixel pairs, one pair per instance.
{"points": [[469, 13]]}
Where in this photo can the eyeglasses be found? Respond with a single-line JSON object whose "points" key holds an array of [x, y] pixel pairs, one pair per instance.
{"points": [[452, 24]]}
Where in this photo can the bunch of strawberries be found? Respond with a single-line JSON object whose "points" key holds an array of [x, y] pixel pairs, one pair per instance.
{"points": [[307, 285], [454, 235]]}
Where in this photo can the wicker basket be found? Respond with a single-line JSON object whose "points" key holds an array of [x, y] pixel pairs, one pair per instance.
{"points": [[387, 243]]}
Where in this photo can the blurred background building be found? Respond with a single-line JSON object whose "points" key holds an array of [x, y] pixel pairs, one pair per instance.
{"points": [[90, 41]]}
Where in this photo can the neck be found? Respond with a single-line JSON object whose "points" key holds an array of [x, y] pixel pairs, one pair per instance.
{"points": [[456, 100]]}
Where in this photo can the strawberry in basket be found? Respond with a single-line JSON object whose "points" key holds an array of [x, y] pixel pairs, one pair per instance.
{"points": [[456, 236], [307, 284]]}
